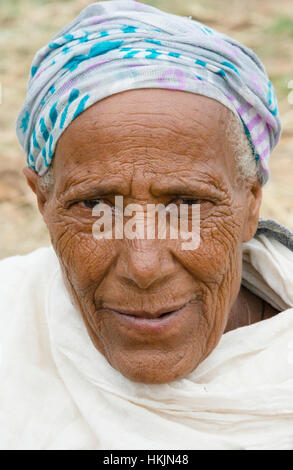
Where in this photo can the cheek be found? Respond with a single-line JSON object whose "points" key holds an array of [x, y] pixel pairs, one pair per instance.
{"points": [[84, 259], [218, 252], [216, 264]]}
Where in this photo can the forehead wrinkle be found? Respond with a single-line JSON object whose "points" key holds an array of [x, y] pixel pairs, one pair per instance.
{"points": [[160, 156], [151, 130], [138, 174], [103, 114], [149, 139], [145, 145], [94, 135], [127, 136]]}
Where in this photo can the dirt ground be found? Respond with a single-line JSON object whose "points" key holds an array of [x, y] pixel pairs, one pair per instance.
{"points": [[25, 25]]}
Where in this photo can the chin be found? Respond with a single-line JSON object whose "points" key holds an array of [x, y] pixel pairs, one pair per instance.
{"points": [[152, 367]]}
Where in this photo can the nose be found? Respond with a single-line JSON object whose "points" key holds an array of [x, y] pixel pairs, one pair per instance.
{"points": [[145, 262]]}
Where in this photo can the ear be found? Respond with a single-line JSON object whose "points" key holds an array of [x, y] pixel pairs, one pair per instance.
{"points": [[33, 180], [254, 195]]}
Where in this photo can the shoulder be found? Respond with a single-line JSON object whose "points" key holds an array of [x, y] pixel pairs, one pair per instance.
{"points": [[25, 267], [24, 279]]}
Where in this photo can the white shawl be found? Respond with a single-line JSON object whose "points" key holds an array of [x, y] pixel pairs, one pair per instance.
{"points": [[58, 392]]}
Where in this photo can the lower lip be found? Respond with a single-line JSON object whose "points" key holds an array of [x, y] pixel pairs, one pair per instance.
{"points": [[148, 325]]}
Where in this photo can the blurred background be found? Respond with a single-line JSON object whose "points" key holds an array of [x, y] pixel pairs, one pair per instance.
{"points": [[25, 25]]}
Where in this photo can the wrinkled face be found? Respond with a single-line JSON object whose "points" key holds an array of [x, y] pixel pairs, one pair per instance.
{"points": [[154, 310]]}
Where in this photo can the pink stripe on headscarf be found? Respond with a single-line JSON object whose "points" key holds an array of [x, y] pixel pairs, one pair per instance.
{"points": [[253, 122]]}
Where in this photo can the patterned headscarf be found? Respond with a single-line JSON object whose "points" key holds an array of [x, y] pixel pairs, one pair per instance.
{"points": [[114, 46]]}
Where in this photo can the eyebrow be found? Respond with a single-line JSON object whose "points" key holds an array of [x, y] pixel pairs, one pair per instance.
{"points": [[103, 188], [199, 187]]}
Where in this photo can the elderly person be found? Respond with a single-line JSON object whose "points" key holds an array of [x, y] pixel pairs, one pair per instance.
{"points": [[116, 343]]}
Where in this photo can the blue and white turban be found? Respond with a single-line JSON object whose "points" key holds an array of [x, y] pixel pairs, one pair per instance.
{"points": [[113, 46]]}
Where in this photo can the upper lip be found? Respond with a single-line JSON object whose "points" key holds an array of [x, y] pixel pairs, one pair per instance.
{"points": [[147, 314]]}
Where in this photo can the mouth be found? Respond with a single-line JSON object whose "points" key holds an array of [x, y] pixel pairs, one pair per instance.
{"points": [[150, 321]]}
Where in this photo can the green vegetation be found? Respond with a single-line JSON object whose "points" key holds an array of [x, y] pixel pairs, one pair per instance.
{"points": [[282, 25]]}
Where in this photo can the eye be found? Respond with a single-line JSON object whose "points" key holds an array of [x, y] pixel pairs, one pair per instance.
{"points": [[91, 203], [190, 201], [186, 200]]}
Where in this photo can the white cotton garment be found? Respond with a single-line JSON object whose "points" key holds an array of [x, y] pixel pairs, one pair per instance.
{"points": [[58, 392]]}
